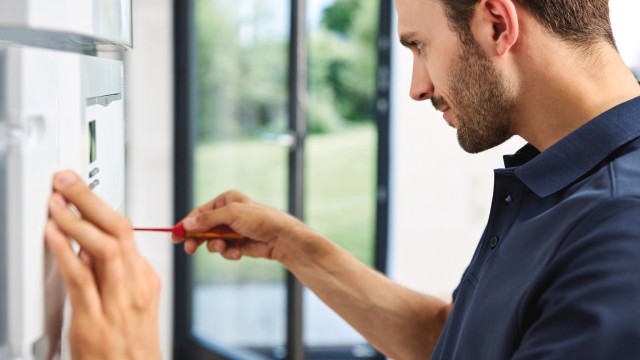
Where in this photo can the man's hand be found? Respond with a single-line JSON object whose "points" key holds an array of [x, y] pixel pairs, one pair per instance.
{"points": [[114, 292], [262, 225]]}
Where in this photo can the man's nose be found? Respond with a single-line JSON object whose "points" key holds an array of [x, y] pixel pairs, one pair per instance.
{"points": [[421, 85]]}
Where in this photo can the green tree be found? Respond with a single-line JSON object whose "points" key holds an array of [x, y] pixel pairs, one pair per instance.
{"points": [[338, 17], [242, 65], [216, 75], [342, 65]]}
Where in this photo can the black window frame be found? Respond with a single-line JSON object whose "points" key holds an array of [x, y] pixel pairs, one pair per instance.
{"points": [[186, 346]]}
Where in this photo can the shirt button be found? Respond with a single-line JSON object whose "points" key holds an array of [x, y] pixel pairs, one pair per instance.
{"points": [[494, 242], [508, 200]]}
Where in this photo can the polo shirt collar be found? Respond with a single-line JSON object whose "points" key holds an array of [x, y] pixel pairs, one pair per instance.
{"points": [[579, 152]]}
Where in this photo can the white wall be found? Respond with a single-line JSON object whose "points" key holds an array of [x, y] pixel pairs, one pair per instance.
{"points": [[441, 195], [625, 16], [150, 143]]}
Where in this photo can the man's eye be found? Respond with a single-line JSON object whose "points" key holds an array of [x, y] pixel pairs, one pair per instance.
{"points": [[418, 45]]}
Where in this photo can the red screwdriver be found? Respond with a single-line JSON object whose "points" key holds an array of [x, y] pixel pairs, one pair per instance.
{"points": [[219, 232]]}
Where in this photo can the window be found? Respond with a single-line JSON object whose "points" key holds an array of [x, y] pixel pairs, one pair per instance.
{"points": [[238, 126]]}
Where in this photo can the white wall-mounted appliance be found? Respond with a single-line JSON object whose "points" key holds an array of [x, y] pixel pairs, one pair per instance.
{"points": [[61, 106]]}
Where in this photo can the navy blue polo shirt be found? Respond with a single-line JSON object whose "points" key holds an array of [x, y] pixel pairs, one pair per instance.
{"points": [[556, 274]]}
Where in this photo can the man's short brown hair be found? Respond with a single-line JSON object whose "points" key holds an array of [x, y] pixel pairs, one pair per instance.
{"points": [[582, 23]]}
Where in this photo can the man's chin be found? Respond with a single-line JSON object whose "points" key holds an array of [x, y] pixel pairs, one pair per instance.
{"points": [[473, 146], [471, 149]]}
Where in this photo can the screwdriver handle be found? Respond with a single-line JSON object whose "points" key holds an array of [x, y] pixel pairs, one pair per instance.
{"points": [[215, 235]]}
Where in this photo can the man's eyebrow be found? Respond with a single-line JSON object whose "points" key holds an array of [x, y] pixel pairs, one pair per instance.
{"points": [[404, 38]]}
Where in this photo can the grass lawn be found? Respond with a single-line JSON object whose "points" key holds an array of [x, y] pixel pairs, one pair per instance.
{"points": [[339, 201]]}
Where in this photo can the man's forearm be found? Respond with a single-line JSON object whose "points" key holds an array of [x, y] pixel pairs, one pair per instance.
{"points": [[399, 322]]}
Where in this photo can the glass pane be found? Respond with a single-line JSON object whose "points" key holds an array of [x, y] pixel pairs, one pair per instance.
{"points": [[242, 48], [341, 147]]}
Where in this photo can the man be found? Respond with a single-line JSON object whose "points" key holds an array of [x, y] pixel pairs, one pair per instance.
{"points": [[557, 271]]}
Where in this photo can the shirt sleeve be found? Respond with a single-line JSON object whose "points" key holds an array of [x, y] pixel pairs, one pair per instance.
{"points": [[589, 307]]}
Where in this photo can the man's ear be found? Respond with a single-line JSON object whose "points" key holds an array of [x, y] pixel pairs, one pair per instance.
{"points": [[495, 25]]}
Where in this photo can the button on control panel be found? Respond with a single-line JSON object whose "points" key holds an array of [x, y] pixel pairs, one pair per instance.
{"points": [[94, 184]]}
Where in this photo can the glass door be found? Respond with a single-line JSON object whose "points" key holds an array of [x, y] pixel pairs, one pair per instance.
{"points": [[341, 150], [242, 57]]}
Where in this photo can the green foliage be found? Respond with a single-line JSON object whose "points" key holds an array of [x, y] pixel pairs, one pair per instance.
{"points": [[242, 67], [323, 116], [217, 85], [338, 17], [343, 60]]}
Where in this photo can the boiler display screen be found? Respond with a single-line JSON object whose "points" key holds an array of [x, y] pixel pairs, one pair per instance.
{"points": [[93, 149]]}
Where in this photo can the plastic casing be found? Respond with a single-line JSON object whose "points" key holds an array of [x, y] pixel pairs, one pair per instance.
{"points": [[52, 85], [77, 21]]}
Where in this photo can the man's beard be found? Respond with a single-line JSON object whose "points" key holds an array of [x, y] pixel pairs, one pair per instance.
{"points": [[481, 99]]}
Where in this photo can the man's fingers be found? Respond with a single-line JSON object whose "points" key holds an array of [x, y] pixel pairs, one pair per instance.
{"points": [[216, 245], [86, 259], [221, 200], [91, 206], [229, 197], [105, 252], [95, 242], [191, 245], [209, 219], [81, 285], [234, 251]]}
